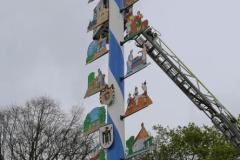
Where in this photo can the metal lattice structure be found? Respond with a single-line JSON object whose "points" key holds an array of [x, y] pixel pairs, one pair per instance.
{"points": [[193, 88]]}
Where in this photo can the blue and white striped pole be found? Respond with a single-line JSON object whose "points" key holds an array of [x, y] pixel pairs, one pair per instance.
{"points": [[116, 70]]}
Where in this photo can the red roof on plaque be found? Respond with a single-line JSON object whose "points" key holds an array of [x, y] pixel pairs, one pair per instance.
{"points": [[143, 134], [138, 101]]}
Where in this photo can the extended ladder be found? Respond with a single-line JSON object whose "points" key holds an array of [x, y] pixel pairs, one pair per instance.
{"points": [[190, 84]]}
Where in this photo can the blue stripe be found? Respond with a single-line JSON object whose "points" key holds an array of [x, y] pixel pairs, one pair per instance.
{"points": [[116, 151], [116, 61], [120, 3]]}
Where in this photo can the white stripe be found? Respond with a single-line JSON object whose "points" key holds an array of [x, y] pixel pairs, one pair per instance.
{"points": [[116, 21]]}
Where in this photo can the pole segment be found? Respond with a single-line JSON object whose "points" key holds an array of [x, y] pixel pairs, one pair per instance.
{"points": [[116, 70]]}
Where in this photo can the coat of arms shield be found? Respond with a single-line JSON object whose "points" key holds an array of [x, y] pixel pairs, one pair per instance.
{"points": [[106, 136]]}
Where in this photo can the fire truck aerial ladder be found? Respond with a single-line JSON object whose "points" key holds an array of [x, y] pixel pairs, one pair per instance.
{"points": [[193, 88]]}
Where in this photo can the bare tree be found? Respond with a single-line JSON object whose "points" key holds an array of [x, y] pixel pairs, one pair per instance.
{"points": [[39, 130]]}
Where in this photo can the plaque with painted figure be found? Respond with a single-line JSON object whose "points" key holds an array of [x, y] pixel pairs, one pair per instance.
{"points": [[106, 136], [134, 26], [94, 120], [135, 64], [95, 83], [96, 49], [143, 142], [136, 101], [100, 15]]}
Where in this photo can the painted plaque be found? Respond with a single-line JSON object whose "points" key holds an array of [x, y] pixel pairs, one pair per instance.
{"points": [[95, 83], [135, 64], [106, 136], [141, 142], [138, 101], [100, 15], [100, 156], [96, 49], [100, 31], [94, 120], [107, 95], [128, 3], [134, 26]]}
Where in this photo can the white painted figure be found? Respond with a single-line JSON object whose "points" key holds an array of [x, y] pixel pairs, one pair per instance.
{"points": [[129, 99], [136, 96], [144, 88], [144, 53], [129, 61]]}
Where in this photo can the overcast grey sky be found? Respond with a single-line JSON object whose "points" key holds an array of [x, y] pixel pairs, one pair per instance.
{"points": [[43, 46]]}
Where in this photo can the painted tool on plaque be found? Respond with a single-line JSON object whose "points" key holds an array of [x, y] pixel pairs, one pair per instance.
{"points": [[107, 95], [100, 15], [94, 120], [99, 156], [96, 49], [135, 64], [138, 101], [95, 83], [106, 136], [134, 26], [139, 144]]}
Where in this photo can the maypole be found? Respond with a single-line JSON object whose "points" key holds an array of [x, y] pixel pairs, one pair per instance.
{"points": [[116, 70], [111, 19]]}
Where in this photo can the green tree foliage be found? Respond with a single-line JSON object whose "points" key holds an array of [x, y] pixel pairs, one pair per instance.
{"points": [[192, 143]]}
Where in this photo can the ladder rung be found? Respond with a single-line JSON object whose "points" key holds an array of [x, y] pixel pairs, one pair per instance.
{"points": [[162, 62], [168, 69]]}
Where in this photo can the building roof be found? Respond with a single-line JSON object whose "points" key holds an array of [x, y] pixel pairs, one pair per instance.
{"points": [[143, 134]]}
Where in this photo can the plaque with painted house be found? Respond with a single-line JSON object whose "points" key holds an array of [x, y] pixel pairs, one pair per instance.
{"points": [[96, 49], [95, 83], [143, 142], [136, 101], [134, 26], [94, 120], [100, 15], [99, 156], [101, 31], [136, 63]]}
